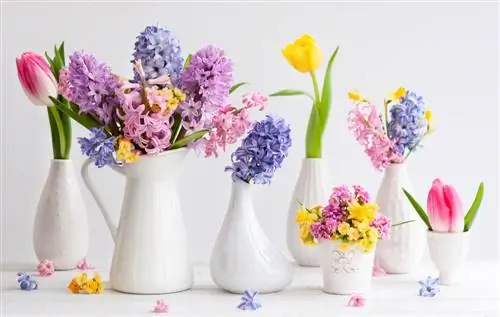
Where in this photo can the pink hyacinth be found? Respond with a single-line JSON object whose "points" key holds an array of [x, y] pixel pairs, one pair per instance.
{"points": [[83, 265], [161, 307], [444, 208], [64, 84], [356, 301], [367, 127], [45, 268]]}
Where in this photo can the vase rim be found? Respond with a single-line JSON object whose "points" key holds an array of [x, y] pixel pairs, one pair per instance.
{"points": [[448, 234]]}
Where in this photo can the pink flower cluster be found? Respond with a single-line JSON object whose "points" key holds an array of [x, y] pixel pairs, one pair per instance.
{"points": [[45, 268], [367, 127], [229, 123]]}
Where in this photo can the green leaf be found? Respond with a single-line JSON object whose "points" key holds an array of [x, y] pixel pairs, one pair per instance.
{"points": [[61, 54], [326, 95], [49, 60], [58, 128], [291, 92], [471, 214], [56, 143], [184, 141], [236, 86], [188, 61], [314, 134], [176, 127], [83, 119], [418, 209]]}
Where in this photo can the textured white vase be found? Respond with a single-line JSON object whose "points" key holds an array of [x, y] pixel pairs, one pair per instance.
{"points": [[310, 190], [243, 258], [448, 252], [151, 250], [345, 272], [403, 252], [60, 233]]}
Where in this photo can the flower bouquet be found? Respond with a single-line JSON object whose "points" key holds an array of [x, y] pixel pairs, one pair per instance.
{"points": [[448, 229], [388, 139], [305, 56], [347, 229], [243, 257], [141, 127]]}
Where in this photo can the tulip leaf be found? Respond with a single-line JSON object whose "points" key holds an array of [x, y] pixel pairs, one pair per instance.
{"points": [[471, 214], [418, 209], [56, 142], [184, 141], [61, 54], [83, 119], [314, 134], [188, 61], [326, 95], [236, 86], [291, 92]]}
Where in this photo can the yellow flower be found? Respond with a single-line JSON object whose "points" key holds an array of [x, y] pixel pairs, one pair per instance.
{"points": [[353, 234], [126, 151], [367, 245], [398, 94], [90, 286], [179, 94], [304, 231], [343, 246], [365, 212], [361, 225], [428, 116], [355, 97], [80, 279], [343, 228], [372, 234], [304, 216], [74, 287], [97, 278], [304, 55]]}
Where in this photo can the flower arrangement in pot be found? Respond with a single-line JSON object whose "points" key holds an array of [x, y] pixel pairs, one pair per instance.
{"points": [[305, 56], [142, 128], [448, 229], [60, 231], [347, 231], [243, 258], [389, 138]]}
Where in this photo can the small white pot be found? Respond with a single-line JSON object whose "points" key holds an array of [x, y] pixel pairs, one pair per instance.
{"points": [[348, 272], [448, 251]]}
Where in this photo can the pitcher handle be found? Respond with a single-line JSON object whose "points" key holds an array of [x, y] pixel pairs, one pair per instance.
{"points": [[91, 188]]}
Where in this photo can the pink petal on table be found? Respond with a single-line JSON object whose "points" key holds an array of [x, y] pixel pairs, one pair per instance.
{"points": [[160, 307], [45, 268], [378, 270], [83, 265], [356, 301]]}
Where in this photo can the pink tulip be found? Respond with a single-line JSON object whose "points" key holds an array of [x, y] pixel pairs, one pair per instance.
{"points": [[444, 208], [36, 78]]}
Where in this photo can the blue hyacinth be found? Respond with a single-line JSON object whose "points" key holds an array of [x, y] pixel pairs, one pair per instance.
{"points": [[98, 147], [429, 287], [249, 301], [26, 282], [160, 53], [407, 122], [262, 151]]}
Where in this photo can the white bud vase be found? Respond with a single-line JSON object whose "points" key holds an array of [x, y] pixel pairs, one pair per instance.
{"points": [[243, 258], [448, 251], [403, 252], [60, 232], [310, 190]]}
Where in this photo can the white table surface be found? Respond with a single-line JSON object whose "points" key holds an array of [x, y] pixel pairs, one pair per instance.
{"points": [[391, 295]]}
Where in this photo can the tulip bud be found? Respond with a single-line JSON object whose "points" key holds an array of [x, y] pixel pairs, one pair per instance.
{"points": [[36, 78], [304, 54], [444, 208]]}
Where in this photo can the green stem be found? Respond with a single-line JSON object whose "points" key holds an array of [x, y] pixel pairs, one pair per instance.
{"points": [[316, 88], [386, 105], [66, 122], [59, 131], [54, 135], [418, 143]]}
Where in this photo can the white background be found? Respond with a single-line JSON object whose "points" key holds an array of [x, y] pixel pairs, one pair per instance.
{"points": [[446, 52]]}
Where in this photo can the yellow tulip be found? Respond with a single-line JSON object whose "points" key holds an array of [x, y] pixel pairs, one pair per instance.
{"points": [[365, 212], [304, 54]]}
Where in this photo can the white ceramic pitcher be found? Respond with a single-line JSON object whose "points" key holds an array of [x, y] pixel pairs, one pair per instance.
{"points": [[150, 255]]}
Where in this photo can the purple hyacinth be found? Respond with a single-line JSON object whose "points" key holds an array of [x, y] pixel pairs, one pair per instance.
{"points": [[98, 147], [93, 87], [160, 53], [208, 78], [262, 151], [407, 124]]}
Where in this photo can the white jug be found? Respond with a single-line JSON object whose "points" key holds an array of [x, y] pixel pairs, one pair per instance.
{"points": [[150, 255]]}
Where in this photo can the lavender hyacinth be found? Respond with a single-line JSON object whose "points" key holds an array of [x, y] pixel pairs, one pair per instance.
{"points": [[92, 86], [98, 147], [262, 151], [407, 124], [160, 53], [208, 78]]}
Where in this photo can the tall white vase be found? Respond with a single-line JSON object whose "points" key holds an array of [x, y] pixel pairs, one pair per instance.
{"points": [[151, 249], [60, 233], [310, 190], [403, 252], [243, 258]]}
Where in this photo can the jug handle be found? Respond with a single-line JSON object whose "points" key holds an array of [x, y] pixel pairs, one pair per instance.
{"points": [[91, 188]]}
